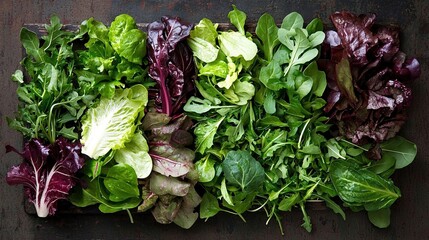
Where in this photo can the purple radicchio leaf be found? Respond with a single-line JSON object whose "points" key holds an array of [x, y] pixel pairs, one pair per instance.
{"points": [[47, 172], [170, 63]]}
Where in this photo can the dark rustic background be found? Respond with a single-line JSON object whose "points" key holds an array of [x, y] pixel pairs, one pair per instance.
{"points": [[409, 214]]}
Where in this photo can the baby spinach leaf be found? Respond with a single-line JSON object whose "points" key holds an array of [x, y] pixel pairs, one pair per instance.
{"points": [[126, 39], [399, 148], [243, 170], [121, 182], [209, 206], [205, 169], [380, 218]]}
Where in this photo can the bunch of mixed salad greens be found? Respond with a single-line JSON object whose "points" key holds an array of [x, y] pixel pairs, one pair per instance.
{"points": [[183, 117]]}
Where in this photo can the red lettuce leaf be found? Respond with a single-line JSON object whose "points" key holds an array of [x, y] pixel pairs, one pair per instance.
{"points": [[171, 64], [47, 172], [367, 95]]}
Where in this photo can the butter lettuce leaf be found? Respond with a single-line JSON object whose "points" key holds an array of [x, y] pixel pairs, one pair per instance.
{"points": [[126, 39], [136, 155], [112, 123]]}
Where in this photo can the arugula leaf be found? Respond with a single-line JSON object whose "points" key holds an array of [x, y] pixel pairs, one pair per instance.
{"points": [[205, 133], [49, 102]]}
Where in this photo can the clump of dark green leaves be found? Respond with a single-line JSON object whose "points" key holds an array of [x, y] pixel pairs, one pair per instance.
{"points": [[50, 105], [364, 184], [271, 148], [278, 120]]}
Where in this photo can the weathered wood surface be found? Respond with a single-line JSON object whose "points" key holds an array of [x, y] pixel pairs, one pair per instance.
{"points": [[409, 214]]}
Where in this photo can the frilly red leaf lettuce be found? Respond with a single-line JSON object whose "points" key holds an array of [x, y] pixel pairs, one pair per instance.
{"points": [[47, 172], [367, 78]]}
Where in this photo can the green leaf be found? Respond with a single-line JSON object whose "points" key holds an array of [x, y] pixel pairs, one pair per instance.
{"points": [[335, 150], [203, 49], [358, 186], [205, 169], [292, 20], [307, 56], [126, 39], [270, 76], [205, 30], [270, 102], [18, 76], [113, 122], [314, 26], [305, 88], [380, 218], [205, 133], [384, 164], [136, 154], [241, 169], [224, 192], [319, 78], [266, 30], [209, 206], [287, 203], [311, 149], [92, 194], [121, 182], [31, 43], [238, 19], [234, 44], [402, 150]]}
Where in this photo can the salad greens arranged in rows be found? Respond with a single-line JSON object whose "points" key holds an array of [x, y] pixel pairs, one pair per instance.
{"points": [[187, 121]]}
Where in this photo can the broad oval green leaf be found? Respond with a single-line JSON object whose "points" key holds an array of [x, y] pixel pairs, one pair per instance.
{"points": [[205, 169], [242, 170], [292, 20], [234, 44], [357, 186], [266, 30], [126, 39], [203, 49], [209, 206], [135, 153], [121, 182], [402, 150]]}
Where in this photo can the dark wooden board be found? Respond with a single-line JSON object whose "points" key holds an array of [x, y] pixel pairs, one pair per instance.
{"points": [[408, 214]]}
